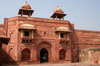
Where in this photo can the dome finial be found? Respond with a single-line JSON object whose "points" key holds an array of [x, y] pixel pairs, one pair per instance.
{"points": [[26, 1]]}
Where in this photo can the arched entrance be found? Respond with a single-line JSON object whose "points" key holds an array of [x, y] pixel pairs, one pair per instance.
{"points": [[25, 54], [43, 55], [62, 54]]}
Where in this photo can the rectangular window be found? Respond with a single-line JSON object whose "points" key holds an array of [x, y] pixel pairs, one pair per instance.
{"points": [[26, 40], [62, 35], [26, 33], [27, 36]]}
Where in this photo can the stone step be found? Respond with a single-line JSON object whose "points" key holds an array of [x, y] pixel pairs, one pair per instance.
{"points": [[73, 64]]}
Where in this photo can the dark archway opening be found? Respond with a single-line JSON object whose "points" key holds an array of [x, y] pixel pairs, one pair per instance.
{"points": [[43, 55]]}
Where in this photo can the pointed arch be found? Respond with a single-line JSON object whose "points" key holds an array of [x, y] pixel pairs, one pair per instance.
{"points": [[44, 46], [43, 55], [25, 54], [11, 54], [62, 54], [11, 51]]}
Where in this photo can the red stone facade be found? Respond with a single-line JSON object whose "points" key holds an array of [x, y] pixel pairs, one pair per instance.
{"points": [[43, 37], [37, 40]]}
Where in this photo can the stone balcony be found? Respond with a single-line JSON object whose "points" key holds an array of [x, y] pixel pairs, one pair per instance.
{"points": [[63, 40], [27, 40]]}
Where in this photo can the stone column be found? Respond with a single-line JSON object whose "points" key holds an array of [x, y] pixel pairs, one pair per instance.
{"points": [[18, 50], [55, 54], [68, 55], [34, 55]]}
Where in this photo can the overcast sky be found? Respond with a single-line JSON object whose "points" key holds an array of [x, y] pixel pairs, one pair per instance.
{"points": [[84, 14]]}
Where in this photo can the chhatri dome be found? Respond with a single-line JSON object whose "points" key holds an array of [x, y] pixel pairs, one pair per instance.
{"points": [[26, 6], [58, 13], [25, 10]]}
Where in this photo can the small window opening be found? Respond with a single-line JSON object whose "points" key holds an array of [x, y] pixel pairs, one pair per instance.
{"points": [[23, 40], [27, 40], [26, 33], [30, 40], [62, 35]]}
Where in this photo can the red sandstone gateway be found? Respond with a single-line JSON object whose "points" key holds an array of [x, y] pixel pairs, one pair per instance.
{"points": [[39, 40]]}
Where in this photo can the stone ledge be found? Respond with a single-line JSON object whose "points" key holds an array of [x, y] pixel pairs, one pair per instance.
{"points": [[46, 64]]}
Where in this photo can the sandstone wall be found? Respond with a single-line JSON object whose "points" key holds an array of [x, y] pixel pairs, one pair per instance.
{"points": [[88, 39], [91, 55]]}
